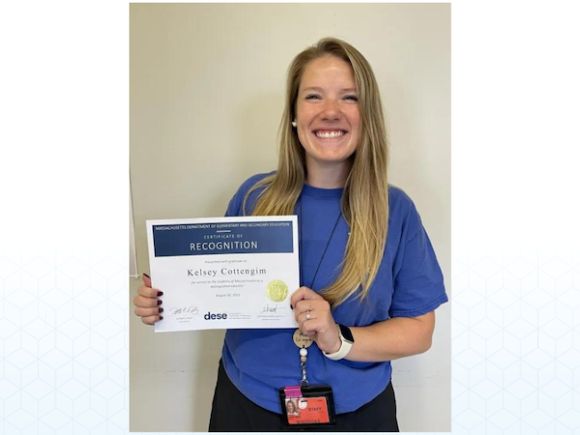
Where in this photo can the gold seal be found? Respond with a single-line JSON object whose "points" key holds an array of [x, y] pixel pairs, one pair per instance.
{"points": [[301, 340], [277, 290]]}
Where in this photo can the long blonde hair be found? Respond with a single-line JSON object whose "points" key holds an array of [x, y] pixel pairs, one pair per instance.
{"points": [[365, 202]]}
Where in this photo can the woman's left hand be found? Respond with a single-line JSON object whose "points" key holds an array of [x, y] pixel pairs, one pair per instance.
{"points": [[314, 317]]}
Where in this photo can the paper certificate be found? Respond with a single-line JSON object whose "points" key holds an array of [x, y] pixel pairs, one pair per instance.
{"points": [[218, 273]]}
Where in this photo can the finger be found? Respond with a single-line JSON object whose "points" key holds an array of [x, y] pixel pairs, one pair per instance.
{"points": [[301, 314], [302, 307], [149, 292], [146, 312], [308, 327], [145, 302], [151, 319], [303, 293], [307, 316], [319, 305], [147, 282], [296, 296], [310, 294]]}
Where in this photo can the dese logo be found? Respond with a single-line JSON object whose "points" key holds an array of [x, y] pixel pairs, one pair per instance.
{"points": [[210, 316]]}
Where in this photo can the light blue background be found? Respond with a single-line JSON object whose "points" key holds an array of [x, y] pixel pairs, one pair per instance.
{"points": [[516, 325]]}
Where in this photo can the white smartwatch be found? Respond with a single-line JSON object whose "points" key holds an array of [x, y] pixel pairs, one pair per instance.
{"points": [[346, 340]]}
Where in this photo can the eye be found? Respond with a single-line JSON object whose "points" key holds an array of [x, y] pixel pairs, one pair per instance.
{"points": [[312, 97], [351, 97]]}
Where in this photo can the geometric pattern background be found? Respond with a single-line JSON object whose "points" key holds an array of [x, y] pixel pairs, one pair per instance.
{"points": [[516, 334], [63, 334], [515, 340]]}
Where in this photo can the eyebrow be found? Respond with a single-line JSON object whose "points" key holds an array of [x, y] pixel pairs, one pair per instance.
{"points": [[316, 88]]}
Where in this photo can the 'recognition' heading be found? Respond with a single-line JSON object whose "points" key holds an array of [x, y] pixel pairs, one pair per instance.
{"points": [[218, 246]]}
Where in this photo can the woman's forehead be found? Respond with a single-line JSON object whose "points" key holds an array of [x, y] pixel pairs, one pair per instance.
{"points": [[328, 71]]}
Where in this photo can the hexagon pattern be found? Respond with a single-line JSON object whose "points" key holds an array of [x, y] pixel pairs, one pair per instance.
{"points": [[516, 342], [63, 341]]}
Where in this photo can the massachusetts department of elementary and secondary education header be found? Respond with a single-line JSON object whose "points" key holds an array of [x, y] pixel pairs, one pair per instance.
{"points": [[241, 237]]}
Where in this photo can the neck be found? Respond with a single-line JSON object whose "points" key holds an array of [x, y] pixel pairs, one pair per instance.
{"points": [[327, 176]]}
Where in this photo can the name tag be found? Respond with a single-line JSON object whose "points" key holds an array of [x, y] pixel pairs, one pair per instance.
{"points": [[307, 405]]}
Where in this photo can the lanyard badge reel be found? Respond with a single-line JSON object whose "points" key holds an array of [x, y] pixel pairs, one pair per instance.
{"points": [[307, 405]]}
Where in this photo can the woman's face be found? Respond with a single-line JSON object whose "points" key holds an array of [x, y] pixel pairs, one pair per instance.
{"points": [[327, 111]]}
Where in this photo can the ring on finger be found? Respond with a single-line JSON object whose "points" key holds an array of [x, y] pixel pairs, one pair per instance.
{"points": [[308, 315]]}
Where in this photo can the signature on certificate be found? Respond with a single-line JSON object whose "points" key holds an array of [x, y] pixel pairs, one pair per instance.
{"points": [[183, 310], [269, 309]]}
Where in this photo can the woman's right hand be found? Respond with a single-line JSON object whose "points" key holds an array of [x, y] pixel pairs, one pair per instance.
{"points": [[147, 303]]}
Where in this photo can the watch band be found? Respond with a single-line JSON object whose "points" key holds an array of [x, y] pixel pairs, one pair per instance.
{"points": [[345, 346]]}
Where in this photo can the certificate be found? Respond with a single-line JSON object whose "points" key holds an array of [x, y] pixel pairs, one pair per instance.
{"points": [[218, 273]]}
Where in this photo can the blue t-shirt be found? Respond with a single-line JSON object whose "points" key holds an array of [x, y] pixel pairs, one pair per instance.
{"points": [[409, 283]]}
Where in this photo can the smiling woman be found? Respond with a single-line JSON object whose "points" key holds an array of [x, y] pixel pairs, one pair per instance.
{"points": [[328, 119], [369, 275], [332, 91]]}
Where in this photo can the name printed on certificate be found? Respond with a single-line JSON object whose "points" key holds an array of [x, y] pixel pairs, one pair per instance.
{"points": [[224, 273]]}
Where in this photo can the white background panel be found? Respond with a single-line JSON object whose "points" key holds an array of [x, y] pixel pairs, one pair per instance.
{"points": [[64, 234]]}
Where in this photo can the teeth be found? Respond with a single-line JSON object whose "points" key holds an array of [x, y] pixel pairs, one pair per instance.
{"points": [[329, 134]]}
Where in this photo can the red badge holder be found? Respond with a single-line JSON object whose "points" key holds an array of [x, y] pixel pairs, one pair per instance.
{"points": [[308, 406]]}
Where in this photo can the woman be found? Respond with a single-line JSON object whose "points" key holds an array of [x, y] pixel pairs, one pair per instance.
{"points": [[291, 408], [370, 279]]}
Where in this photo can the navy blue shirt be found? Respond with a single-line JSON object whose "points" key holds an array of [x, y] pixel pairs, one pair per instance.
{"points": [[409, 283]]}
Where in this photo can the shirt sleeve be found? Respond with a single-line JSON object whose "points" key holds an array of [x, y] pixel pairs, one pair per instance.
{"points": [[418, 281], [235, 207]]}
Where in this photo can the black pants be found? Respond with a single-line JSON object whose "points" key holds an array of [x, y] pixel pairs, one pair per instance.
{"points": [[233, 412]]}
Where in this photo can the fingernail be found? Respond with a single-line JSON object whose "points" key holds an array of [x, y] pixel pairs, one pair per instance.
{"points": [[159, 302], [160, 310], [159, 293], [291, 306], [160, 317], [146, 275]]}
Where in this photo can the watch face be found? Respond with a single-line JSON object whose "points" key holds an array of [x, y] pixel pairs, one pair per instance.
{"points": [[346, 333]]}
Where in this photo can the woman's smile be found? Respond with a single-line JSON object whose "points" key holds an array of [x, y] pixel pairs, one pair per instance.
{"points": [[330, 134]]}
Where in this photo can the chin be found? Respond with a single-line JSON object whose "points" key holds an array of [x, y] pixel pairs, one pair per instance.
{"points": [[325, 159]]}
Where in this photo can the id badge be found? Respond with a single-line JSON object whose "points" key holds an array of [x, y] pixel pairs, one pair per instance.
{"points": [[308, 405]]}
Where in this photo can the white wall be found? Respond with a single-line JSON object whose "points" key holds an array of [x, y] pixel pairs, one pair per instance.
{"points": [[207, 87], [133, 268]]}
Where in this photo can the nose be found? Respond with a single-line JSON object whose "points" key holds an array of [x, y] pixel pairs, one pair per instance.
{"points": [[331, 110]]}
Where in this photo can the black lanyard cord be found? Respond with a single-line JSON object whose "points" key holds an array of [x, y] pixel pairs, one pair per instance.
{"points": [[325, 249]]}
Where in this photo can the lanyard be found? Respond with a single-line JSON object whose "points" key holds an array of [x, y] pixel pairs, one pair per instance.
{"points": [[325, 249]]}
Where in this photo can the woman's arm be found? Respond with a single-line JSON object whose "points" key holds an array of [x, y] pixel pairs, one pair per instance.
{"points": [[391, 339], [384, 341]]}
